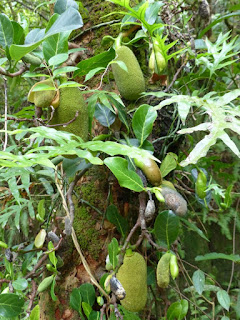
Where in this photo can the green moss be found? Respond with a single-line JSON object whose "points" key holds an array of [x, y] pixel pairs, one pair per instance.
{"points": [[87, 235], [133, 277], [129, 83], [71, 101]]}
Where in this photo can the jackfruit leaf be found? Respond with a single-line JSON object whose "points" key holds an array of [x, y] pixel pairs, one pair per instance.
{"points": [[222, 115], [224, 299], [62, 5], [121, 64], [126, 178], [18, 33], [113, 148], [53, 296], [225, 318], [63, 70], [139, 35], [198, 281], [166, 227], [20, 284], [3, 60], [104, 115], [121, 111], [76, 300], [58, 59], [151, 13], [40, 238], [11, 305], [113, 252], [41, 208], [87, 309], [35, 313], [99, 61], [70, 84], [128, 315], [151, 276], [215, 255], [94, 315], [6, 31], [168, 164], [92, 73], [56, 44], [193, 227], [88, 293], [67, 21], [52, 255], [142, 122], [177, 310], [117, 219]]}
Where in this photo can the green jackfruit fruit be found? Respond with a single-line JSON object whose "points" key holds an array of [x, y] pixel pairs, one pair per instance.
{"points": [[129, 83], [133, 276], [71, 101], [174, 201], [42, 99], [163, 276], [30, 58]]}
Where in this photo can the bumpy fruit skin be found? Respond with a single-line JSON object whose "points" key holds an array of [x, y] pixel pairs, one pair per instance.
{"points": [[71, 101], [163, 277], [201, 185], [150, 169], [174, 201], [133, 277], [129, 83]]}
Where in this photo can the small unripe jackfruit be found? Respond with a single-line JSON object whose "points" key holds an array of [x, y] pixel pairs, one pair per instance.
{"points": [[151, 170], [129, 83], [30, 58], [42, 99], [174, 201], [163, 277], [71, 101], [133, 277]]}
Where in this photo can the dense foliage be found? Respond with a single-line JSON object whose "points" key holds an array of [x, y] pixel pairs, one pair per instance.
{"points": [[119, 166]]}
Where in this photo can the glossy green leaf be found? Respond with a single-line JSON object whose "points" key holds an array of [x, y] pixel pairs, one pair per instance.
{"points": [[88, 293], [20, 284], [92, 73], [69, 20], [11, 305], [224, 299], [76, 300], [168, 164], [52, 255], [87, 309], [194, 228], [177, 310], [166, 227], [35, 313], [63, 70], [94, 315], [58, 59], [55, 45], [151, 13], [198, 281], [53, 296], [41, 208], [18, 33], [142, 122], [215, 255], [117, 219], [105, 116], [126, 178], [6, 31], [99, 61], [62, 5], [113, 252]]}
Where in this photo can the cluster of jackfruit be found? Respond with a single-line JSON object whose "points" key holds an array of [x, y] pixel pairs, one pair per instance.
{"points": [[133, 276], [72, 101], [166, 265], [130, 83]]}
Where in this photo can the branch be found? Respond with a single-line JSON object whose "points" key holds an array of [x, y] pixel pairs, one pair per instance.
{"points": [[12, 75], [32, 9]]}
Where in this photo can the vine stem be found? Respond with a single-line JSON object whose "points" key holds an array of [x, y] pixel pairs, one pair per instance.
{"points": [[76, 244]]}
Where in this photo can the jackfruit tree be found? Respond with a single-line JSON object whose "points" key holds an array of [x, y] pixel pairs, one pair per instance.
{"points": [[119, 166]]}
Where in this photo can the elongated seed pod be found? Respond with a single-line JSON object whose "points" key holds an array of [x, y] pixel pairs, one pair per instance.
{"points": [[163, 277]]}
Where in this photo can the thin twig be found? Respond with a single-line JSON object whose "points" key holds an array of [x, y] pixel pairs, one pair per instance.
{"points": [[33, 294], [176, 75], [12, 75], [234, 245], [5, 113], [38, 265]]}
